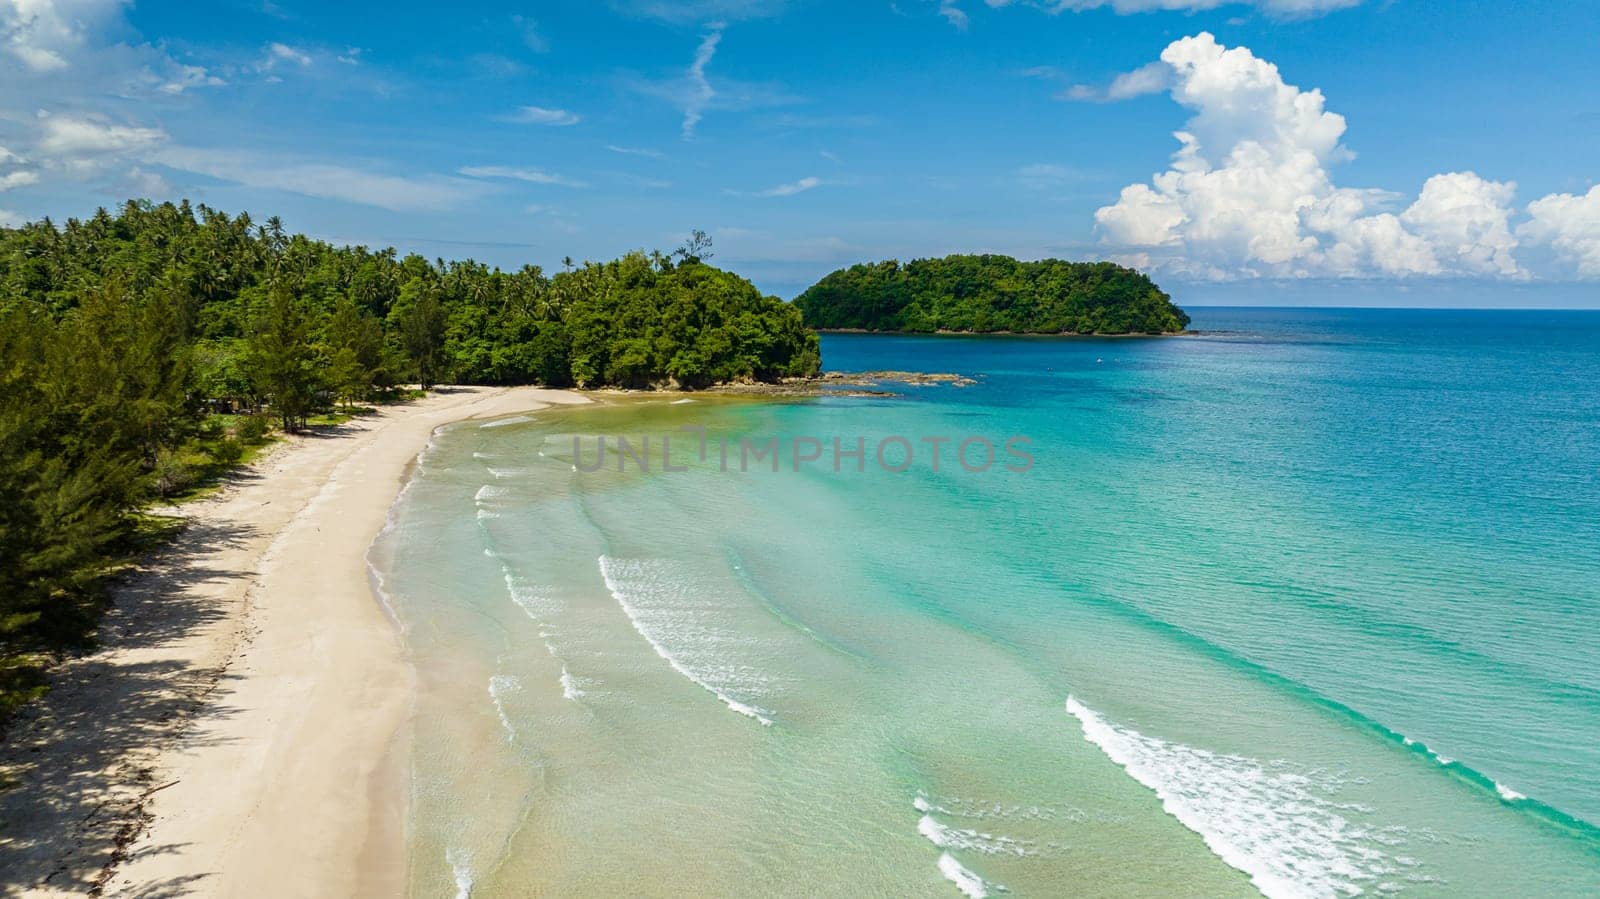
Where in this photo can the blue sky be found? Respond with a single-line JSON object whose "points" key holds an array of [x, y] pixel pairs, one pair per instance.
{"points": [[1342, 151]]}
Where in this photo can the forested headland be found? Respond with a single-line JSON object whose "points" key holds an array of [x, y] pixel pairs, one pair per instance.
{"points": [[143, 353], [991, 294]]}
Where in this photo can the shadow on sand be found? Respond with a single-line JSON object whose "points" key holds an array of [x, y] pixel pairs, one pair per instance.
{"points": [[78, 766]]}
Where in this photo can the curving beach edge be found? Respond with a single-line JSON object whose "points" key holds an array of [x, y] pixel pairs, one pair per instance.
{"points": [[250, 737]]}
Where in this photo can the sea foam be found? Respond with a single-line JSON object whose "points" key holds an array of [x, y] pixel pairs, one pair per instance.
{"points": [[679, 623], [569, 684], [502, 422], [965, 881], [499, 686], [539, 606], [460, 872], [1272, 822], [946, 837]]}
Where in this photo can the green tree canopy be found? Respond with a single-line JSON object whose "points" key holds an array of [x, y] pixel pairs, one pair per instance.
{"points": [[122, 334], [985, 294]]}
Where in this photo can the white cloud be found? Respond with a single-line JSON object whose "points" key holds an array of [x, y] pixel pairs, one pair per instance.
{"points": [[18, 178], [326, 180], [532, 176], [1285, 9], [636, 151], [138, 182], [701, 10], [185, 77], [44, 34], [277, 53], [700, 92], [1466, 220], [532, 38], [54, 51], [1147, 79], [694, 94], [1249, 193], [783, 190], [67, 136], [14, 171], [953, 14], [1571, 226], [540, 115]]}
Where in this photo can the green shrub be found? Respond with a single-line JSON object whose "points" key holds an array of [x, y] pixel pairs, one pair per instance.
{"points": [[227, 451], [171, 473], [252, 427]]}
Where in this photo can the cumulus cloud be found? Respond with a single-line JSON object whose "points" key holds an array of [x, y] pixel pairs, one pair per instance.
{"points": [[1249, 192], [71, 50], [14, 171], [1571, 226], [541, 115], [44, 34], [1467, 222], [67, 137]]}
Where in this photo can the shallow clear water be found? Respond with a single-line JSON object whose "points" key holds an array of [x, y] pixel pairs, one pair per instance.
{"points": [[1304, 605]]}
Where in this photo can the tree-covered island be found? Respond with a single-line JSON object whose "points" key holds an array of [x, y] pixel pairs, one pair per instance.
{"points": [[991, 294]]}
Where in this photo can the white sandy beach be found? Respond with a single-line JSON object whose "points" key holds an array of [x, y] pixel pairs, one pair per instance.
{"points": [[237, 733]]}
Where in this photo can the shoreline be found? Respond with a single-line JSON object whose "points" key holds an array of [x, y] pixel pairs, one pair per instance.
{"points": [[243, 721], [1075, 335]]}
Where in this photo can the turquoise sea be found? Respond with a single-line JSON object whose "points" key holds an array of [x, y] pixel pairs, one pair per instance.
{"points": [[1307, 604]]}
